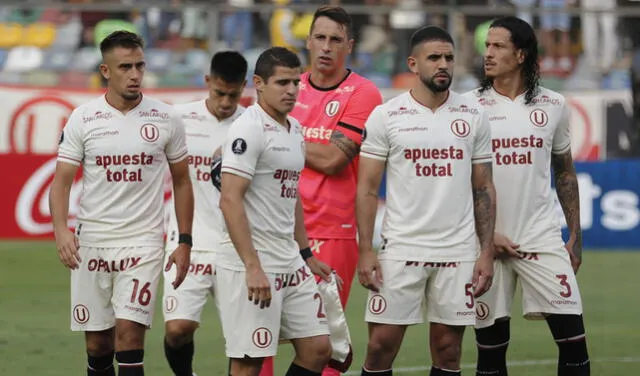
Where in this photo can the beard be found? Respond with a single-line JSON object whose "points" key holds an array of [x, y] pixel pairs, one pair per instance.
{"points": [[130, 96], [434, 86]]}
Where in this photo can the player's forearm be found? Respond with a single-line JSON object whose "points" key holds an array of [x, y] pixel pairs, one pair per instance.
{"points": [[300, 233], [566, 183], [322, 158], [484, 210], [569, 197], [59, 203], [366, 209], [184, 206], [235, 217]]}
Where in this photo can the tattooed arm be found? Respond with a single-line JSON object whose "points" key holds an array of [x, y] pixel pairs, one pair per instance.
{"points": [[484, 210], [484, 204], [333, 157], [567, 190]]}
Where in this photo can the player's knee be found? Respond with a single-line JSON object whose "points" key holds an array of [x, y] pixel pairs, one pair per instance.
{"points": [[381, 350], [447, 353], [319, 354], [130, 335], [446, 347], [99, 344], [179, 332]]}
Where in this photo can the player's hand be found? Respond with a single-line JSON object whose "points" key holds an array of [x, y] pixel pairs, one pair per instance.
{"points": [[181, 257], [369, 271], [574, 251], [505, 248], [482, 274], [319, 268], [67, 244], [258, 287]]}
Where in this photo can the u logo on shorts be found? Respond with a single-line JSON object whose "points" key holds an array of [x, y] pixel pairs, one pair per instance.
{"points": [[377, 304], [262, 337]]}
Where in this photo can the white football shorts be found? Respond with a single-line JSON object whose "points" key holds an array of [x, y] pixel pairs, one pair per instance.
{"points": [[114, 283], [548, 286], [444, 288], [296, 311], [187, 301]]}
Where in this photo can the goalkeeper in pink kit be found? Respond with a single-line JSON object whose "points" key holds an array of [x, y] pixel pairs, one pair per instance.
{"points": [[332, 106]]}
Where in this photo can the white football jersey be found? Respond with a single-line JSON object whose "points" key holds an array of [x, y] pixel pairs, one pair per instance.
{"points": [[124, 160], [260, 149], [429, 155], [204, 135], [524, 136]]}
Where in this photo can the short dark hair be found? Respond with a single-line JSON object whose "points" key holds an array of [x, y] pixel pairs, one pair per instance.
{"points": [[121, 38], [336, 14], [275, 57], [229, 66], [523, 38], [428, 34]]}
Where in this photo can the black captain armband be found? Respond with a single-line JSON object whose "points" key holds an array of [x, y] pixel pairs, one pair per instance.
{"points": [[185, 239], [306, 253], [216, 172]]}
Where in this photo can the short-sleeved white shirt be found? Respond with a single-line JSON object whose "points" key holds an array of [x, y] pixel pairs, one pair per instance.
{"points": [[524, 137], [429, 155], [204, 135], [260, 149], [123, 158]]}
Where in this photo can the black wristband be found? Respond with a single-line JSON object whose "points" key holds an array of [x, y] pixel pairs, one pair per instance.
{"points": [[185, 239], [306, 253]]}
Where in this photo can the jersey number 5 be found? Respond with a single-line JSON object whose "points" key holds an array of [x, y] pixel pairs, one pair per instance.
{"points": [[468, 291]]}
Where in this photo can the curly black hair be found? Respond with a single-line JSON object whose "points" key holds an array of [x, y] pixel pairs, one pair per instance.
{"points": [[523, 37]]}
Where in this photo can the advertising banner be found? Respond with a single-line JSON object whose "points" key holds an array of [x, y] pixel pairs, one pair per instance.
{"points": [[31, 120]]}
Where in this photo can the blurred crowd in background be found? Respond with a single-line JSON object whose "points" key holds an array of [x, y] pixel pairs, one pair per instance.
{"points": [[584, 44]]}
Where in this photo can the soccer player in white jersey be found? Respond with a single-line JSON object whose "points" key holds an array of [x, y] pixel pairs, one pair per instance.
{"points": [[530, 130], [123, 140], [207, 122], [265, 290], [436, 148]]}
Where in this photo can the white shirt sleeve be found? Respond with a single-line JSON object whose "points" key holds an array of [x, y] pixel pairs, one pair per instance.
{"points": [[243, 146], [375, 143], [176, 149], [71, 143], [562, 135], [482, 141]]}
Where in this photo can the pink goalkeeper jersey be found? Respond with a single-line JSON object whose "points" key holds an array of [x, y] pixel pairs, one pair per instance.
{"points": [[329, 200]]}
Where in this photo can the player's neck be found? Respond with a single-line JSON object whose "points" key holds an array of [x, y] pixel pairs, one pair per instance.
{"points": [[121, 104], [212, 111], [325, 81], [275, 115], [428, 98], [509, 86]]}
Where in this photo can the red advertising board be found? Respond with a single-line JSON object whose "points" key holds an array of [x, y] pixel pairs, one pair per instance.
{"points": [[31, 120]]}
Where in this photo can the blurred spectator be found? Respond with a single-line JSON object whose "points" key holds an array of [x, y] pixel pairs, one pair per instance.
{"points": [[523, 9], [238, 26], [155, 24], [25, 15], [195, 27], [599, 39], [281, 27], [556, 54], [404, 20], [90, 19]]}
